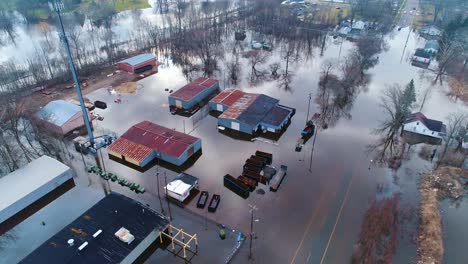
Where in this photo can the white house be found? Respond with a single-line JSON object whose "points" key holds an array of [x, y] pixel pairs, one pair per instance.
{"points": [[465, 143], [418, 123]]}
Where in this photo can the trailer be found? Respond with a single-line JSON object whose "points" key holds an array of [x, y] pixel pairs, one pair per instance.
{"points": [[214, 203], [236, 186], [275, 183], [255, 176], [202, 199], [259, 159], [267, 156], [251, 168], [309, 129], [256, 163], [249, 182]]}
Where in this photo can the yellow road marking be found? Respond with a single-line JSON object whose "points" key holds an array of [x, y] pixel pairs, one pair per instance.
{"points": [[308, 227], [337, 219]]}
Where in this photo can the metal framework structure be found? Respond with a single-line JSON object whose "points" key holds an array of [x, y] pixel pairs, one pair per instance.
{"points": [[182, 243]]}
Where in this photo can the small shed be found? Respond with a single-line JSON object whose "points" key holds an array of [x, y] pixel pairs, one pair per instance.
{"points": [[146, 141], [181, 186], [193, 93], [60, 117], [138, 63]]}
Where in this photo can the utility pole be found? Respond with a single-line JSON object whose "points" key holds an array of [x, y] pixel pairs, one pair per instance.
{"points": [[58, 6], [159, 195], [312, 150], [308, 108], [168, 205], [252, 209]]}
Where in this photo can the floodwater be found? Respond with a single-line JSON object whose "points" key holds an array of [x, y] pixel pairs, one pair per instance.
{"points": [[316, 215]]}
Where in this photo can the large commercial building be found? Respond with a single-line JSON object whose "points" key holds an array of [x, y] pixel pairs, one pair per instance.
{"points": [[249, 113], [28, 189], [146, 141], [115, 230]]}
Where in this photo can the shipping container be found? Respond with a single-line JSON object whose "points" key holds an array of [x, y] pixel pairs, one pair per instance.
{"points": [[236, 186]]}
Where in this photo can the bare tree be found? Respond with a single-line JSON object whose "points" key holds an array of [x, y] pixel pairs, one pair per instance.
{"points": [[456, 122]]}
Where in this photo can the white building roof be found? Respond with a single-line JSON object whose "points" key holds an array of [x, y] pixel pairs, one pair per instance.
{"points": [[58, 112], [178, 187], [24, 181], [139, 59]]}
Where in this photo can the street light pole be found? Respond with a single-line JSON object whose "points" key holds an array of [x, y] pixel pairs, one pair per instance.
{"points": [[159, 195], [308, 108], [252, 209]]}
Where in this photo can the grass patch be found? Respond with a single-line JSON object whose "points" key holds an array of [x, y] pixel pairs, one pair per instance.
{"points": [[120, 5]]}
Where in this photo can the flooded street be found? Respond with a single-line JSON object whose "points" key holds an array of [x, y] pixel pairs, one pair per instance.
{"points": [[315, 216]]}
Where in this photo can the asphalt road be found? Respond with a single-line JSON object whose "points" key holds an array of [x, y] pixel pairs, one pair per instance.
{"points": [[408, 13]]}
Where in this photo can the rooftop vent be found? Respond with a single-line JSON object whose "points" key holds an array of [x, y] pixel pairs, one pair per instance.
{"points": [[83, 246], [124, 235], [97, 233], [71, 242]]}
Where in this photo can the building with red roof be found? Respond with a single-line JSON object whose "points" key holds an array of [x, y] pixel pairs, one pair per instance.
{"points": [[146, 141], [194, 93], [249, 112]]}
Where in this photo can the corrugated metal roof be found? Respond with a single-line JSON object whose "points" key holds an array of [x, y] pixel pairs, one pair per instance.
{"points": [[257, 110], [58, 112], [130, 149], [276, 116], [239, 106], [145, 137], [138, 59], [194, 88], [228, 97]]}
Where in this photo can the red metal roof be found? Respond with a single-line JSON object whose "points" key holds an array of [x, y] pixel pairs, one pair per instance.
{"points": [[228, 97], [239, 106], [130, 149], [194, 88], [145, 137]]}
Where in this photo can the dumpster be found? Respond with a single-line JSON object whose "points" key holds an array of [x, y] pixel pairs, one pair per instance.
{"points": [[222, 234]]}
